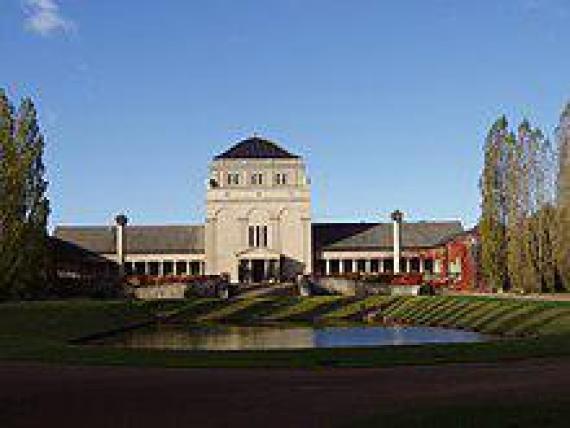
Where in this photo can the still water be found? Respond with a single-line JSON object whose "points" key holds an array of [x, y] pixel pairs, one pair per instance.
{"points": [[226, 338]]}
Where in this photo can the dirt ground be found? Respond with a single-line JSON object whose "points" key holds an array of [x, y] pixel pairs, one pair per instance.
{"points": [[57, 396]]}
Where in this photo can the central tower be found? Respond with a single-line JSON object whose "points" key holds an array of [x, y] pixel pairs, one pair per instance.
{"points": [[258, 204]]}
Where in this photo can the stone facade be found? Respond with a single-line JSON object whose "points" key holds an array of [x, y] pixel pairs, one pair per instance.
{"points": [[258, 218], [258, 228]]}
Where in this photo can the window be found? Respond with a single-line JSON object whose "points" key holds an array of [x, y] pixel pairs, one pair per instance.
{"points": [[256, 178], [252, 236], [233, 178], [280, 178], [258, 236]]}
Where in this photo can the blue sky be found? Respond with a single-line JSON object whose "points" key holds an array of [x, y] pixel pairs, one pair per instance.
{"points": [[388, 101]]}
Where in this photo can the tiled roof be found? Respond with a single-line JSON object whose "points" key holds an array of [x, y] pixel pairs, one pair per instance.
{"points": [[138, 239], [190, 239], [256, 148], [363, 236]]}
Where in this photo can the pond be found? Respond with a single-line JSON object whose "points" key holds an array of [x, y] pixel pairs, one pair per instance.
{"points": [[235, 338]]}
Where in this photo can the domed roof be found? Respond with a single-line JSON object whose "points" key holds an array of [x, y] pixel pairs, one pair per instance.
{"points": [[256, 148]]}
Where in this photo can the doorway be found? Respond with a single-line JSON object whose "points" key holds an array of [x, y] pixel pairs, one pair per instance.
{"points": [[258, 270]]}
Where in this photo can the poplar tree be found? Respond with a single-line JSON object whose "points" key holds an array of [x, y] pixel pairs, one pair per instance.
{"points": [[562, 247], [24, 206], [516, 231], [493, 210]]}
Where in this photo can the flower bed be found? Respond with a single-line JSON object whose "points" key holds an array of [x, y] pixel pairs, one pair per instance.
{"points": [[385, 278], [150, 280]]}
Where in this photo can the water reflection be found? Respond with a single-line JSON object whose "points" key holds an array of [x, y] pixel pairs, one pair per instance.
{"points": [[271, 337]]}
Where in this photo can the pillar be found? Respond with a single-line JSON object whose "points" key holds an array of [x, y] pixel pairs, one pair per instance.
{"points": [[397, 217], [275, 234], [161, 268], [422, 265], [340, 266], [120, 223], [408, 264], [147, 268], [265, 269], [244, 227], [381, 265], [327, 267], [307, 245], [368, 266], [188, 270], [211, 245]]}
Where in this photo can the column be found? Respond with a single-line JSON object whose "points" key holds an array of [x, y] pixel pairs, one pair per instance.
{"points": [[422, 265], [250, 270], [327, 267], [275, 234], [340, 266], [397, 220], [265, 270], [188, 271], [211, 245], [307, 254], [146, 268], [353, 266], [368, 266], [408, 264], [381, 266], [161, 268], [243, 224]]}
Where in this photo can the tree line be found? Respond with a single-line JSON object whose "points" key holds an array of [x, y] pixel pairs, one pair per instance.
{"points": [[24, 206], [525, 207]]}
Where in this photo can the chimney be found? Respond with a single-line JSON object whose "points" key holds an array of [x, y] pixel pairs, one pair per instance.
{"points": [[120, 221], [397, 217]]}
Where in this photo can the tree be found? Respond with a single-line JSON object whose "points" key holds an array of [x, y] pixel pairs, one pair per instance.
{"points": [[515, 204], [562, 239], [493, 210], [525, 217], [24, 206]]}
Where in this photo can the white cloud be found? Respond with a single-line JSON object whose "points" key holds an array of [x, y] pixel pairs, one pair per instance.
{"points": [[43, 17]]}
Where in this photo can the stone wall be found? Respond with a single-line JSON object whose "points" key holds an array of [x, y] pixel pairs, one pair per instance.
{"points": [[166, 291], [353, 287]]}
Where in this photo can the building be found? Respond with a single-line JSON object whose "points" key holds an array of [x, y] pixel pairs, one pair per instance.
{"points": [[258, 228]]}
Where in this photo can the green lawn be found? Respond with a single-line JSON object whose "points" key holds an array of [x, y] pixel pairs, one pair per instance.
{"points": [[44, 331]]}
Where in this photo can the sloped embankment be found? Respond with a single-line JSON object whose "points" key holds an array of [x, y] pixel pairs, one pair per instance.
{"points": [[510, 317]]}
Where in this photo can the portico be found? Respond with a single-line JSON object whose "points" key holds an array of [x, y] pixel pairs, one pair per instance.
{"points": [[259, 265]]}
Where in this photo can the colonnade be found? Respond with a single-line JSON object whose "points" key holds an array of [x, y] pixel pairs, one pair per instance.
{"points": [[165, 267], [377, 265]]}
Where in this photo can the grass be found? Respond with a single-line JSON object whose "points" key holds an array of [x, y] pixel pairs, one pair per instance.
{"points": [[43, 331]]}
